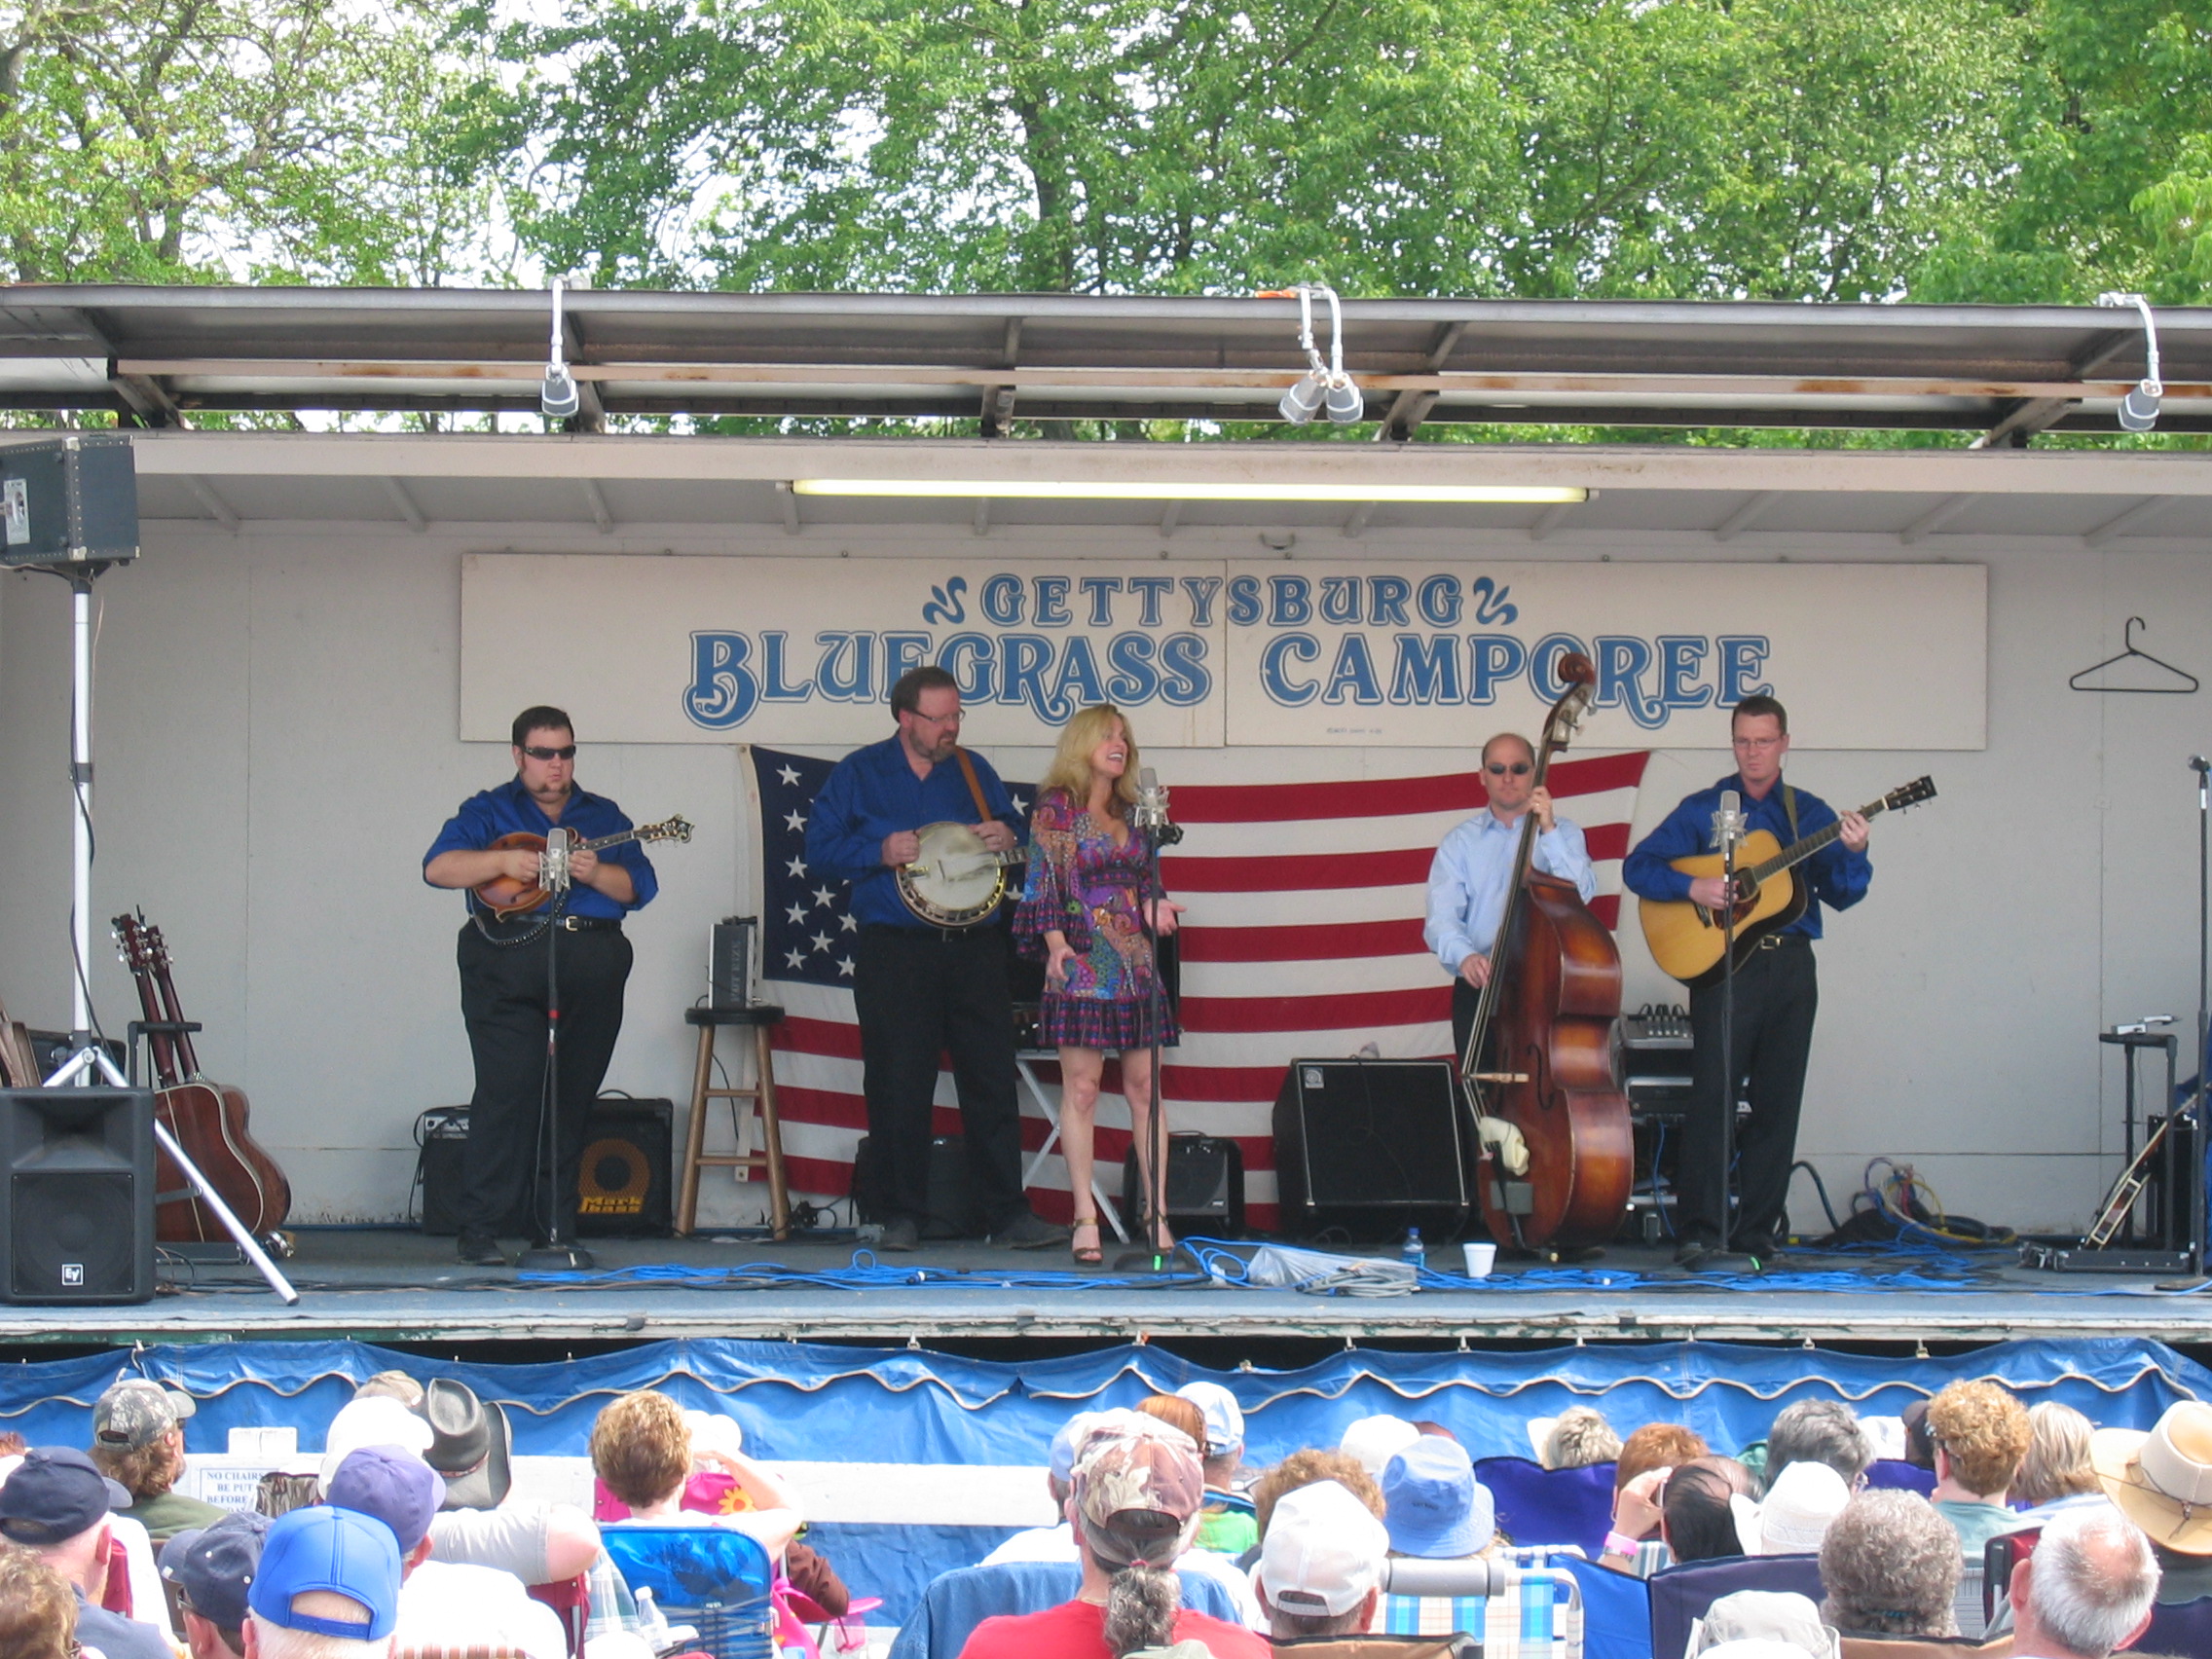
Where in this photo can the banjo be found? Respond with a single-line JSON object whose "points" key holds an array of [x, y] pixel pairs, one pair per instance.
{"points": [[955, 881]]}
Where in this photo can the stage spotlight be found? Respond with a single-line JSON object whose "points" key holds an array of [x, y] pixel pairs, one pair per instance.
{"points": [[2139, 409], [1324, 384], [558, 399]]}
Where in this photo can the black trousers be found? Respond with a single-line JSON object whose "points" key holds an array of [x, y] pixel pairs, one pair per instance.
{"points": [[1777, 995], [919, 992], [504, 999]]}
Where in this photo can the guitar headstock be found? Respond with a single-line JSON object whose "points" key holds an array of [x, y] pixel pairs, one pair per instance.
{"points": [[130, 942], [675, 829], [1909, 795]]}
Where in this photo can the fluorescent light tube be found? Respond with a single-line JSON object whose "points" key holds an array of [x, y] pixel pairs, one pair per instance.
{"points": [[1127, 490]]}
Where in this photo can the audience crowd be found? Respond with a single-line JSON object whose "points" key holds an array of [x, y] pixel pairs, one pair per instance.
{"points": [[405, 1536]]}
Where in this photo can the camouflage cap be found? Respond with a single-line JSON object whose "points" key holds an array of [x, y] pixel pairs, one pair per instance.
{"points": [[1139, 1495], [137, 1411]]}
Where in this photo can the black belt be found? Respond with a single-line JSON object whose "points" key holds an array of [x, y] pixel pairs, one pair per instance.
{"points": [[1776, 941], [522, 927], [943, 935]]}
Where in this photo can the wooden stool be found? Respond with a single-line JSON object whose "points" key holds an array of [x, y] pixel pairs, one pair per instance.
{"points": [[763, 1094]]}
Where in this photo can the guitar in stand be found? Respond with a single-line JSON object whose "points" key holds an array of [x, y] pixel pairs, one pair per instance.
{"points": [[209, 1121], [504, 895], [1689, 940]]}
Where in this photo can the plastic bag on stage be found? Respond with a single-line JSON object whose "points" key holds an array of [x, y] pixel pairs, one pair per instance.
{"points": [[1283, 1267]]}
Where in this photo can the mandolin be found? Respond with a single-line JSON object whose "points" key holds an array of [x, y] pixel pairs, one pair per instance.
{"points": [[504, 895], [1689, 941], [209, 1121]]}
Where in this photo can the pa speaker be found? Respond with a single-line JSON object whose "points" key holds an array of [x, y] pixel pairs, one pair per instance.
{"points": [[69, 501], [1371, 1147], [1206, 1186], [79, 1194], [622, 1190]]}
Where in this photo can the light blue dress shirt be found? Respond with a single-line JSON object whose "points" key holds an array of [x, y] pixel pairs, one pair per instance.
{"points": [[1467, 881]]}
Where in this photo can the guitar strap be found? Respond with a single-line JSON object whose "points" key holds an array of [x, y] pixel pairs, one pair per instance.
{"points": [[975, 785], [1790, 806]]}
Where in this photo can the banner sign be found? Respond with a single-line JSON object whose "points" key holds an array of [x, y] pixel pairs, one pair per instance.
{"points": [[1412, 652]]}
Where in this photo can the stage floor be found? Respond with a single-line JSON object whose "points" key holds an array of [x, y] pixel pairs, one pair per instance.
{"points": [[390, 1285]]}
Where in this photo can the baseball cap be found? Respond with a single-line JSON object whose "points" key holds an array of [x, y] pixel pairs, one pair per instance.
{"points": [[1376, 1440], [1067, 1445], [1433, 1505], [1225, 1419], [56, 1492], [371, 1421], [214, 1564], [338, 1550], [394, 1485], [1799, 1507], [136, 1412], [1139, 1495], [1324, 1551]]}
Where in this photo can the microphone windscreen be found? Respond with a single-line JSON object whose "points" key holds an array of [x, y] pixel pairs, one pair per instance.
{"points": [[1731, 803], [1147, 778]]}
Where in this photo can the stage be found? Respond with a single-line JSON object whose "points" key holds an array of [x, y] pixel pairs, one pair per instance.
{"points": [[393, 1286]]}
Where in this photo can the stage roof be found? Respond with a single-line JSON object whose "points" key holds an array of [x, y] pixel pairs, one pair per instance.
{"points": [[158, 353]]}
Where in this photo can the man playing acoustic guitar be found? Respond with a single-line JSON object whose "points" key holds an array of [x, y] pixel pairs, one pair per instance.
{"points": [[503, 975], [1777, 992], [920, 990]]}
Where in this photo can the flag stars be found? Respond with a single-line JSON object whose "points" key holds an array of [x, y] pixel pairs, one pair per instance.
{"points": [[1019, 805], [845, 967], [797, 866], [790, 776], [821, 942], [848, 923], [825, 898], [797, 915], [795, 958], [794, 820]]}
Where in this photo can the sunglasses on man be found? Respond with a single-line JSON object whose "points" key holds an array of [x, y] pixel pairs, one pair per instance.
{"points": [[546, 751], [1518, 768]]}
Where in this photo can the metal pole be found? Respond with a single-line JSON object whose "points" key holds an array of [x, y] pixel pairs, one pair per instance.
{"points": [[81, 808], [2203, 772]]}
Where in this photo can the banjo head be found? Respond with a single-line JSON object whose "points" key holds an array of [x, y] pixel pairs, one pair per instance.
{"points": [[955, 881]]}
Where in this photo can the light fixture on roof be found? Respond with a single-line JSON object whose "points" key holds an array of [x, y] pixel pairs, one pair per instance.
{"points": [[2139, 409], [1170, 490], [1325, 384], [558, 397]]}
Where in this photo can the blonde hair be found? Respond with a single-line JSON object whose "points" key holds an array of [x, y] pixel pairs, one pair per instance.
{"points": [[1984, 1430], [38, 1613], [1085, 730], [641, 1447], [2058, 1464]]}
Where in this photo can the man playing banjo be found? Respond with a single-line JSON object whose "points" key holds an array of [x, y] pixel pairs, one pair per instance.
{"points": [[919, 989]]}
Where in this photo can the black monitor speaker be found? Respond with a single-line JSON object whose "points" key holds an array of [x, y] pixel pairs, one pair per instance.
{"points": [[1371, 1147], [76, 1195]]}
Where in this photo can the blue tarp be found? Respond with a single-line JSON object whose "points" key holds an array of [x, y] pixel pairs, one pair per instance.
{"points": [[909, 1406]]}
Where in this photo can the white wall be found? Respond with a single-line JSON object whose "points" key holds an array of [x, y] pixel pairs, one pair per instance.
{"points": [[275, 748]]}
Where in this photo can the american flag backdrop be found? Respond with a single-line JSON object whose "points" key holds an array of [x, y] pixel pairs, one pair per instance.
{"points": [[1302, 938]]}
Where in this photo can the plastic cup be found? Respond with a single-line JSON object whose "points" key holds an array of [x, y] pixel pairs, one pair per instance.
{"points": [[1481, 1258]]}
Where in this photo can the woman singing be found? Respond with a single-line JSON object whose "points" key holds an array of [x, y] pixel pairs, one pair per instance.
{"points": [[1083, 912]]}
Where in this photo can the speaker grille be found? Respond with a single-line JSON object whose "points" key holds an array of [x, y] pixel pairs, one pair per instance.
{"points": [[73, 1232]]}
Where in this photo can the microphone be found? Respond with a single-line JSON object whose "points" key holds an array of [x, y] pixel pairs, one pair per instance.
{"points": [[556, 861], [1728, 820], [2197, 763], [1150, 813]]}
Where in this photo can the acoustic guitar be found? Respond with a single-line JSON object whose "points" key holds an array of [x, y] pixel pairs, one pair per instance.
{"points": [[504, 895], [209, 1121], [1689, 940], [19, 1063]]}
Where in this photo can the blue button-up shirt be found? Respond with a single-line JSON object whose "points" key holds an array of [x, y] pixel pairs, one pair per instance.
{"points": [[486, 816], [1471, 871], [1834, 875], [872, 792]]}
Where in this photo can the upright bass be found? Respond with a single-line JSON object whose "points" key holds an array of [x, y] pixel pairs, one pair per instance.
{"points": [[1556, 1158]]}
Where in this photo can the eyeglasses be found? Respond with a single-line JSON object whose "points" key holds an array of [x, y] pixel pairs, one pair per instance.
{"points": [[1518, 768], [545, 751]]}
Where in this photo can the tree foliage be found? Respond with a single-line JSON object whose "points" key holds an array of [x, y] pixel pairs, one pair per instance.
{"points": [[272, 140]]}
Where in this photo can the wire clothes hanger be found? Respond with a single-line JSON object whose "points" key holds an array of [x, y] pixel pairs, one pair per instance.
{"points": [[2132, 653]]}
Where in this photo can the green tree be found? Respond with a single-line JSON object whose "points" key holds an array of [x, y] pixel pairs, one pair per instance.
{"points": [[194, 140]]}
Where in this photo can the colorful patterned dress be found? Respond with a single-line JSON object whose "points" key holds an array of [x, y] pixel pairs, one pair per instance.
{"points": [[1081, 883]]}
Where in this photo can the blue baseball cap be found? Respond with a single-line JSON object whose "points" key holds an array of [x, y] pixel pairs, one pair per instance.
{"points": [[212, 1565], [338, 1550], [56, 1492], [396, 1487], [1432, 1503]]}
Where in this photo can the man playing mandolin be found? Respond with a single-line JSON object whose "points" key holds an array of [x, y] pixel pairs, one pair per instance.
{"points": [[1777, 992], [920, 989], [503, 974], [1473, 867]]}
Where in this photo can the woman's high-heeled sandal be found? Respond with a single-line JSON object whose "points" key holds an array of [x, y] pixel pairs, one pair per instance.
{"points": [[1086, 1255]]}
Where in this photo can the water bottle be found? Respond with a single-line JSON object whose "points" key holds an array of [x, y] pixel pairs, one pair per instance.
{"points": [[653, 1621], [1413, 1252]]}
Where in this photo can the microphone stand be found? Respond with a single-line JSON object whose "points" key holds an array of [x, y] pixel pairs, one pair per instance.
{"points": [[558, 1254], [2202, 767], [1150, 821], [1730, 829]]}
